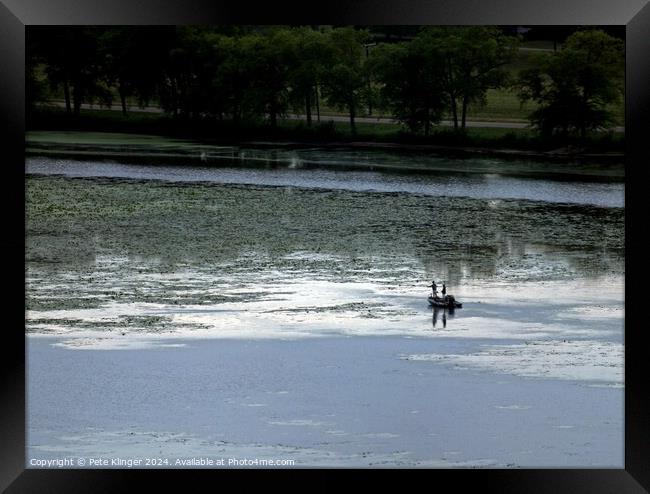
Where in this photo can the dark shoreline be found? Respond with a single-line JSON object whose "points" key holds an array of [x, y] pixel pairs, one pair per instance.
{"points": [[560, 155], [202, 154], [507, 144]]}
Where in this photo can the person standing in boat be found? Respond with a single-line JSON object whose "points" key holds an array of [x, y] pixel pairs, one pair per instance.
{"points": [[444, 290], [434, 288]]}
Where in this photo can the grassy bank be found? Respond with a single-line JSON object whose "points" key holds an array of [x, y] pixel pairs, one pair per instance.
{"points": [[228, 132]]}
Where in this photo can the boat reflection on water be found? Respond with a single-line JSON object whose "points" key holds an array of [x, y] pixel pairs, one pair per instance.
{"points": [[443, 312]]}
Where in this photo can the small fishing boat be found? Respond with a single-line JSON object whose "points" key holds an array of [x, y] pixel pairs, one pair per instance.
{"points": [[447, 302]]}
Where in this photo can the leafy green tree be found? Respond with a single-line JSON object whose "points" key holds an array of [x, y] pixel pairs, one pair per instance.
{"points": [[192, 86], [232, 80], [72, 63], [345, 81], [473, 59], [134, 60], [175, 96], [410, 79], [215, 89], [574, 86], [208, 49], [48, 44], [188, 73], [35, 87], [312, 55], [269, 61]]}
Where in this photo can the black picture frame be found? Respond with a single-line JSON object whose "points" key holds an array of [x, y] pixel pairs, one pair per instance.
{"points": [[16, 14]]}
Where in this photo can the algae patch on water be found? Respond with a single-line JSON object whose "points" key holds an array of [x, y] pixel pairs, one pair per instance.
{"points": [[143, 248]]}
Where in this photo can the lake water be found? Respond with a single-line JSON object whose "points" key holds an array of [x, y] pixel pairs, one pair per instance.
{"points": [[477, 178], [134, 257]]}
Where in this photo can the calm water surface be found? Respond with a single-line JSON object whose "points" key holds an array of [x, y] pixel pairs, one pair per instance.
{"points": [[211, 270], [286, 250], [480, 179]]}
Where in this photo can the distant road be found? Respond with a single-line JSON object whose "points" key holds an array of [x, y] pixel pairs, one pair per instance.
{"points": [[384, 120], [444, 123], [336, 118]]}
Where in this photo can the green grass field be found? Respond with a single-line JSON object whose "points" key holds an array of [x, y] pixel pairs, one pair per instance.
{"points": [[502, 106], [288, 130]]}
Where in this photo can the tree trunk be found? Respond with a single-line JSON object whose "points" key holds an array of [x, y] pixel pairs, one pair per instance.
{"points": [[186, 96], [369, 95], [464, 114], [76, 96], [123, 100], [412, 121], [427, 123], [454, 112], [317, 104], [66, 93], [353, 126], [586, 96], [174, 99], [273, 115], [308, 107]]}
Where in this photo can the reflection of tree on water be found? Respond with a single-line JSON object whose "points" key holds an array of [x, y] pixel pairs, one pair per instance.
{"points": [[465, 263], [454, 238], [444, 312]]}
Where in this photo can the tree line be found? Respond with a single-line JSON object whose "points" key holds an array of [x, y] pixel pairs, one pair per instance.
{"points": [[240, 73]]}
